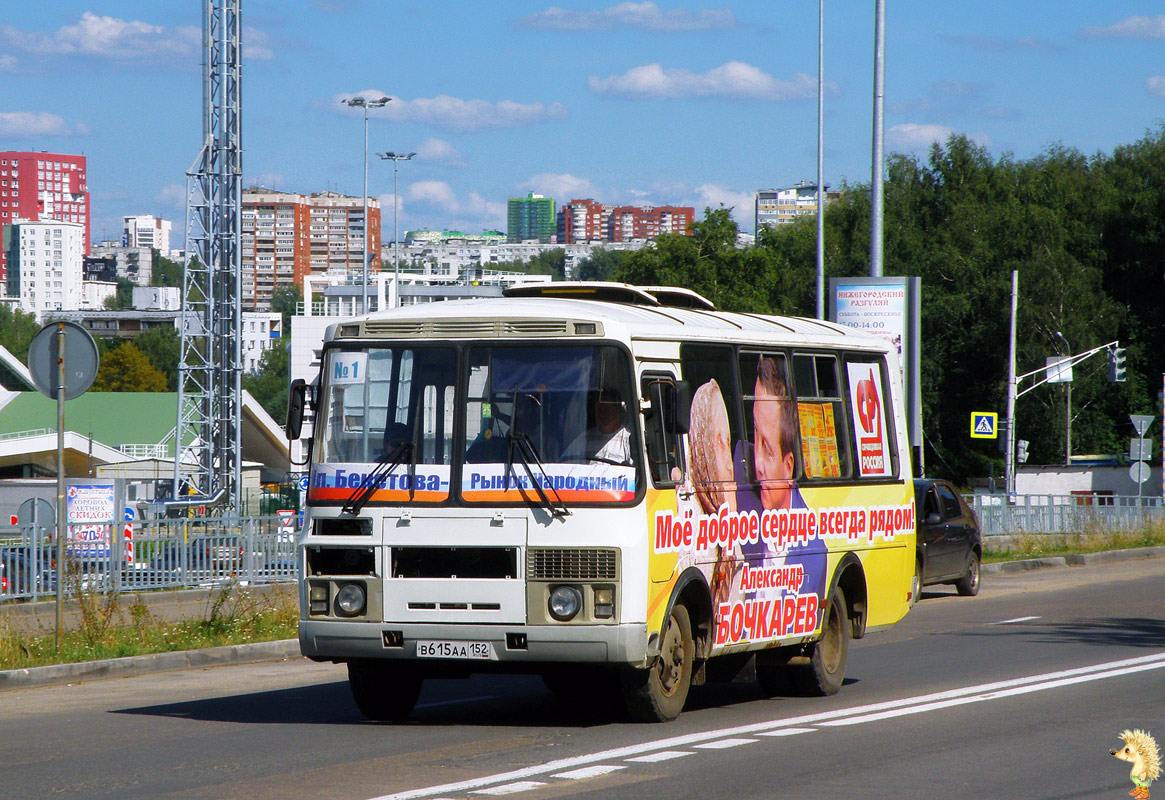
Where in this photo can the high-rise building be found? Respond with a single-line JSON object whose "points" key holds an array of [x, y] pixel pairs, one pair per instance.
{"points": [[287, 235], [144, 230], [782, 206], [582, 221], [43, 186], [530, 217], [627, 223], [45, 265]]}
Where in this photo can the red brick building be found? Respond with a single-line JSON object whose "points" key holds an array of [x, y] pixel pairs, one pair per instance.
{"points": [[581, 221], [48, 186]]}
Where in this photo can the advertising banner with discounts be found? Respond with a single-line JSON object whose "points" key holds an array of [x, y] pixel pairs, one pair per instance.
{"points": [[90, 514]]}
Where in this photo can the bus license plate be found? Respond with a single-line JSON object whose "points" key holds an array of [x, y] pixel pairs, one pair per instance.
{"points": [[471, 650]]}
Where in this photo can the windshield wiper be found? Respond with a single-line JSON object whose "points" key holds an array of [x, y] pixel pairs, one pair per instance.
{"points": [[384, 466], [519, 441]]}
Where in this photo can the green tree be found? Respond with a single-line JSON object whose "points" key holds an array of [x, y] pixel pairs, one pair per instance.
{"points": [[125, 368], [123, 298], [269, 383], [165, 271], [17, 329], [163, 347], [285, 299], [601, 265]]}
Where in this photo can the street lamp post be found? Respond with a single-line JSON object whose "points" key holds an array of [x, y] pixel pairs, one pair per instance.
{"points": [[365, 103], [1067, 401], [395, 158]]}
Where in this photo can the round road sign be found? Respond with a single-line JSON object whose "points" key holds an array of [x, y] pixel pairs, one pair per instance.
{"points": [[81, 360]]}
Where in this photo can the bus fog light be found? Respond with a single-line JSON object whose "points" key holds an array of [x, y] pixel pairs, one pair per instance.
{"points": [[318, 598], [565, 602], [350, 600], [604, 602]]}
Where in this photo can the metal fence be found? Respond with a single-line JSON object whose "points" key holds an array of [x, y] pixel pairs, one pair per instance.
{"points": [[157, 554], [1065, 514]]}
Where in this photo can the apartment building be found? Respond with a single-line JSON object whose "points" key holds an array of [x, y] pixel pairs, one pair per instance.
{"points": [[530, 218], [43, 186], [146, 231], [582, 221], [783, 206], [45, 265], [286, 236]]}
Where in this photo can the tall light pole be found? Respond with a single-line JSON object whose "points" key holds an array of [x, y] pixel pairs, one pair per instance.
{"points": [[365, 103], [395, 158], [1068, 399]]}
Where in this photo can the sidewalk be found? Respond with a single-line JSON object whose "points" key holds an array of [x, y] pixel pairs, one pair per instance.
{"points": [[289, 648]]}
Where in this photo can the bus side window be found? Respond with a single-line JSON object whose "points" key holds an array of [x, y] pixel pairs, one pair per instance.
{"points": [[825, 437], [664, 452]]}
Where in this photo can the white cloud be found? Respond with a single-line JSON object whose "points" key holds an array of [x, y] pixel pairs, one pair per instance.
{"points": [[441, 152], [7, 63], [743, 204], [562, 187], [458, 114], [734, 79], [37, 123], [468, 208], [1156, 86], [643, 16], [911, 137], [386, 212], [126, 40], [1130, 28], [172, 195]]}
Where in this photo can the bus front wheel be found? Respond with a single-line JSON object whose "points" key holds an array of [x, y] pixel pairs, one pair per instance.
{"points": [[658, 694], [825, 670], [383, 690]]}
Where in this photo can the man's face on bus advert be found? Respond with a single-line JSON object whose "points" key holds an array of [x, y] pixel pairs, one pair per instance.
{"points": [[774, 466]]}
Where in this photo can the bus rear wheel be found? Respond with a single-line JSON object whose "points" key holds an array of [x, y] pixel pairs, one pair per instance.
{"points": [[658, 694], [384, 691], [825, 670]]}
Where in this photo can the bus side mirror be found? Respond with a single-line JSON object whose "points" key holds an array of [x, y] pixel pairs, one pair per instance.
{"points": [[296, 400]]}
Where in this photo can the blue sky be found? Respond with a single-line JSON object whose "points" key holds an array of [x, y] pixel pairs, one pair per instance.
{"points": [[692, 103]]}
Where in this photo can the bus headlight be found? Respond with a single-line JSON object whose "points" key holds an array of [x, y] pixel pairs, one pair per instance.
{"points": [[350, 600], [318, 598], [565, 602]]}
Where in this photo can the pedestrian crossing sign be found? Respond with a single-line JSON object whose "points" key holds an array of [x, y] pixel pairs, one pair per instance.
{"points": [[984, 425]]}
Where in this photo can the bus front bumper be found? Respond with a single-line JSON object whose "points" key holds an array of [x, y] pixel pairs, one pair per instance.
{"points": [[329, 640]]}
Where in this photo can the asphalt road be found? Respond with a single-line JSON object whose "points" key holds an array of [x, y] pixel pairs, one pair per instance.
{"points": [[1020, 692]]}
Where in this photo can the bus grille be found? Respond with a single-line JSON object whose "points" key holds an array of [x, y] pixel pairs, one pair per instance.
{"points": [[562, 564]]}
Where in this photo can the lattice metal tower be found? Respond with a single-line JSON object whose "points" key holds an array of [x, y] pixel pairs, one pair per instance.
{"points": [[207, 461]]}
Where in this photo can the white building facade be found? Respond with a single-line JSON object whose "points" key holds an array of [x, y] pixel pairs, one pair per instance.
{"points": [[45, 265], [144, 230]]}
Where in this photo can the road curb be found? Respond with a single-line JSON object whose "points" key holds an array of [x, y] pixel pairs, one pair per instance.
{"points": [[1075, 560], [156, 662]]}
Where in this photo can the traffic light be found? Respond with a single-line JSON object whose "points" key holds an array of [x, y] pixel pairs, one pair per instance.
{"points": [[1116, 364], [1021, 451]]}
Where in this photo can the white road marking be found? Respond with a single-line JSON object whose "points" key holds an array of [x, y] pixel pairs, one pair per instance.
{"points": [[1012, 621], [664, 755], [589, 772], [787, 732], [724, 744], [511, 788], [906, 705]]}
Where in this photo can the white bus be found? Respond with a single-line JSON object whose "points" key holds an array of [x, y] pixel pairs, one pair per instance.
{"points": [[619, 488]]}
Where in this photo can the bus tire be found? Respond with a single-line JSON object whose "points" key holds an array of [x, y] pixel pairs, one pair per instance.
{"points": [[825, 670], [658, 693], [916, 583], [384, 691]]}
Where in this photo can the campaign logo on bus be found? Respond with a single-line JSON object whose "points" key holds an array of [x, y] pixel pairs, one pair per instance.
{"points": [[868, 407]]}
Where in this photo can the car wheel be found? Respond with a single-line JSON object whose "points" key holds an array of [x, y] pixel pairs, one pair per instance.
{"points": [[383, 690], [916, 583], [968, 585], [824, 673], [658, 693]]}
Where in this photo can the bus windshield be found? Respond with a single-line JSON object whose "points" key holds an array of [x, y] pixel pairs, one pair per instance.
{"points": [[513, 422]]}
